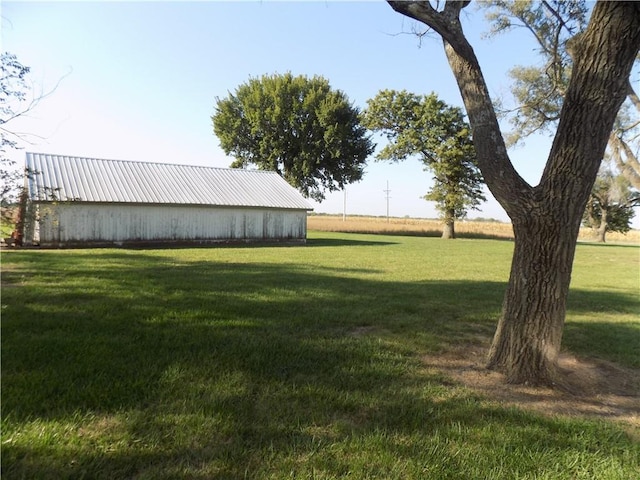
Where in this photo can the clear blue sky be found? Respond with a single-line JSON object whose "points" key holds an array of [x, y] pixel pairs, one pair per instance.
{"points": [[141, 78]]}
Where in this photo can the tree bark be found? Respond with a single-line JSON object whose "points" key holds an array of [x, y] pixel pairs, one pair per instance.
{"points": [[529, 333], [18, 233], [601, 231], [448, 228], [546, 218]]}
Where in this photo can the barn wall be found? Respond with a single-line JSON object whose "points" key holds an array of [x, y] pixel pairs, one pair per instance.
{"points": [[76, 223]]}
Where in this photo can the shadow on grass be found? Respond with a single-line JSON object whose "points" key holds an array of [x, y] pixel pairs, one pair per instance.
{"points": [[591, 243], [483, 236], [241, 367], [186, 245], [95, 343], [343, 242], [604, 340], [309, 242], [424, 233]]}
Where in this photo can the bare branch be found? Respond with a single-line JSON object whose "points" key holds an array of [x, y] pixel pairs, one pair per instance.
{"points": [[556, 14], [35, 101], [445, 23], [633, 96]]}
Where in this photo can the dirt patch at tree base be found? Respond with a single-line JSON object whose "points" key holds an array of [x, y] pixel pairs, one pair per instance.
{"points": [[590, 388]]}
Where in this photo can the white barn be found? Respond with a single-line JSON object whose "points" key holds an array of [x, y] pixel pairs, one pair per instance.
{"points": [[76, 201]]}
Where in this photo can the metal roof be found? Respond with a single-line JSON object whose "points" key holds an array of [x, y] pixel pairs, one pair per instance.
{"points": [[64, 178]]}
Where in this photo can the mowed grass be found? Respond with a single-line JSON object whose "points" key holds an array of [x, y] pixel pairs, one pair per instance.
{"points": [[291, 362]]}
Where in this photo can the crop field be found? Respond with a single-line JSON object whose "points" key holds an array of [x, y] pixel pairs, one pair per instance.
{"points": [[433, 228], [294, 362]]}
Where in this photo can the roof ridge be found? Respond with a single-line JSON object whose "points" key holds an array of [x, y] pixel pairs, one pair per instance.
{"points": [[148, 163]]}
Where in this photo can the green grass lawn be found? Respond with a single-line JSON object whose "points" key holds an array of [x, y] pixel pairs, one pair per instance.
{"points": [[291, 362]]}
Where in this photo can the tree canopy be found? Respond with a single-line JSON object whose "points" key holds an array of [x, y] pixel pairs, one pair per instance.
{"points": [[538, 90], [297, 126], [426, 127]]}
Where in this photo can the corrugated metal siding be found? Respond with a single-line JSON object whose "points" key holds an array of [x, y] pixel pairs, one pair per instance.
{"points": [[67, 224], [55, 177]]}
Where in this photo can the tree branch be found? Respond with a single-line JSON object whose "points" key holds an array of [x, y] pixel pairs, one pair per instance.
{"points": [[633, 96], [511, 191], [629, 166]]}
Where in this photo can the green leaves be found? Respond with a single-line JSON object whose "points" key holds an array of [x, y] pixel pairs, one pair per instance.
{"points": [[426, 127], [610, 205], [298, 126]]}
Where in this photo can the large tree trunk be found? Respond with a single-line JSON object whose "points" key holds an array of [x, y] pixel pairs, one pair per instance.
{"points": [[546, 218], [527, 341], [603, 56]]}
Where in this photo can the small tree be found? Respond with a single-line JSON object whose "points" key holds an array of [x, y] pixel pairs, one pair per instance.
{"points": [[610, 206], [16, 100], [297, 126], [13, 95], [426, 127]]}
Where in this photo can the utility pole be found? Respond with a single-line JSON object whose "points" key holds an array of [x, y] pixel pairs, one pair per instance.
{"points": [[344, 206], [387, 192]]}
